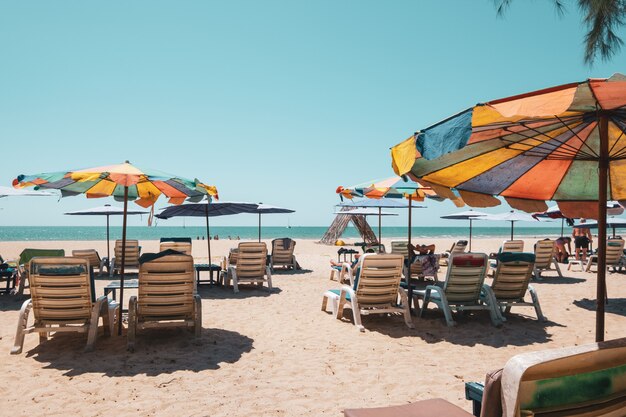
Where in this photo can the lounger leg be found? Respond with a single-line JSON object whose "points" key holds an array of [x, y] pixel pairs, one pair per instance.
{"points": [[340, 305], [406, 310], [535, 298], [588, 267], [96, 312], [21, 327], [447, 311], [557, 267], [424, 302], [114, 313], [43, 336], [132, 323], [269, 279], [356, 313], [537, 274], [233, 275], [106, 317], [324, 302], [198, 316], [112, 267]]}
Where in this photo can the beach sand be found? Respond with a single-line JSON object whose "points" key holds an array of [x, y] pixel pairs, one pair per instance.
{"points": [[278, 355]]}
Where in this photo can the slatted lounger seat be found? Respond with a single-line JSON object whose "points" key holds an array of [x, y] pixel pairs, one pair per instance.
{"points": [[61, 302], [166, 295]]}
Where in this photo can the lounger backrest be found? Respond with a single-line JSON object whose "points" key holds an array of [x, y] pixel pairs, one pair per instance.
{"points": [[513, 246], [614, 251], [377, 248], [60, 290], [232, 256], [166, 288], [28, 254], [513, 275], [251, 260], [458, 247], [400, 247], [587, 380], [132, 253], [379, 279], [544, 253], [466, 274], [183, 247], [90, 255], [280, 254]]}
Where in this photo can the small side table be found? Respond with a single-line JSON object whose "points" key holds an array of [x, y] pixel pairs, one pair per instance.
{"points": [[10, 275], [210, 268], [577, 262]]}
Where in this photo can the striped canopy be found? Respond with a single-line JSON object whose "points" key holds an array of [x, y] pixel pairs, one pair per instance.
{"points": [[529, 148], [394, 187], [144, 186]]}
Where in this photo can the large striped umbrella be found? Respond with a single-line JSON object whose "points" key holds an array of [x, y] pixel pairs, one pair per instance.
{"points": [[565, 143], [123, 182]]}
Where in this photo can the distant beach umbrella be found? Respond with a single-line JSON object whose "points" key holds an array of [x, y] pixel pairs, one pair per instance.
{"points": [[531, 148], [268, 209], [511, 216], [108, 211], [365, 212], [13, 192], [395, 188], [380, 204], [613, 208], [123, 182], [206, 210], [470, 215]]}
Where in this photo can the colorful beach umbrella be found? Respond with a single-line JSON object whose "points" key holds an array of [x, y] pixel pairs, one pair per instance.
{"points": [[470, 215], [123, 182], [108, 211], [531, 148], [206, 210]]}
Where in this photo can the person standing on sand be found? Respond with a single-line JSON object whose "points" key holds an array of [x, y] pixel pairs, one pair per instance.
{"points": [[582, 238]]}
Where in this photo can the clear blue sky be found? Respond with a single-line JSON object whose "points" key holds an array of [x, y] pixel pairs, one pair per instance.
{"points": [[272, 101]]}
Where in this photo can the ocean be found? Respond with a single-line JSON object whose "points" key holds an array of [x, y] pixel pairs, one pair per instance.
{"points": [[30, 233]]}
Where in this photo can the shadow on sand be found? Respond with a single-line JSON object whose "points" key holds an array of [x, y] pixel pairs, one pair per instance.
{"points": [[12, 302], [245, 291], [557, 280], [613, 306], [472, 329], [158, 351]]}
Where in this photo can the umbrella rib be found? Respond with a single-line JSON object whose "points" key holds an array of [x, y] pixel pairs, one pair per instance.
{"points": [[579, 138], [621, 151], [571, 153], [574, 149]]}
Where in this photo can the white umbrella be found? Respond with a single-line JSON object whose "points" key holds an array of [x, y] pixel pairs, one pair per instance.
{"points": [[10, 191], [511, 216], [106, 210], [466, 215]]}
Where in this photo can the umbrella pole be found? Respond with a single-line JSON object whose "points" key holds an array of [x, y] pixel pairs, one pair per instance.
{"points": [[410, 201], [603, 168], [108, 245], [470, 238], [562, 221], [119, 320], [208, 233], [380, 242], [512, 226]]}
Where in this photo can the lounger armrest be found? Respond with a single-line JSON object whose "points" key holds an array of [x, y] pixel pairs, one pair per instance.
{"points": [[474, 393], [347, 289]]}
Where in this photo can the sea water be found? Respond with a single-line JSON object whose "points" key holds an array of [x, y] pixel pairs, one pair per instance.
{"points": [[31, 233]]}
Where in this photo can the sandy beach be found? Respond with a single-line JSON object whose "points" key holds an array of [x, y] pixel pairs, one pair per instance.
{"points": [[278, 355]]}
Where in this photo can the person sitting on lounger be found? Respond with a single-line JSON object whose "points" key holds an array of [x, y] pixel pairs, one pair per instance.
{"points": [[561, 253], [422, 249]]}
